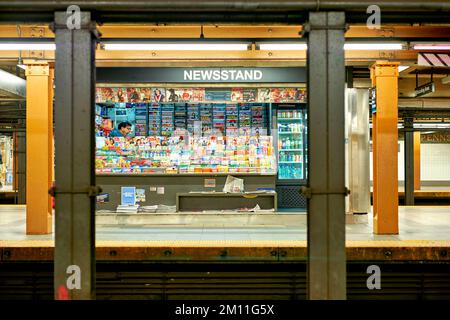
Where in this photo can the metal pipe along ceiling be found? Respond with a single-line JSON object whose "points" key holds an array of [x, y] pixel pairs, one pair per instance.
{"points": [[221, 6]]}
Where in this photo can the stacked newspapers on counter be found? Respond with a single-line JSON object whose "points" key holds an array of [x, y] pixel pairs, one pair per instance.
{"points": [[127, 208], [149, 209]]}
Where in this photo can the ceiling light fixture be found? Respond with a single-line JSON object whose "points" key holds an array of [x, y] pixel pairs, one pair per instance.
{"points": [[12, 46], [347, 46], [373, 46], [180, 46], [431, 46], [283, 46], [432, 125]]}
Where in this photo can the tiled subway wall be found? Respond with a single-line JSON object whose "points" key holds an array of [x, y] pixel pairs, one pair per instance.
{"points": [[434, 159]]}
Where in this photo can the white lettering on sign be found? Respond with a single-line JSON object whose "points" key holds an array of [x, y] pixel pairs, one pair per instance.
{"points": [[222, 75], [187, 75], [216, 76]]}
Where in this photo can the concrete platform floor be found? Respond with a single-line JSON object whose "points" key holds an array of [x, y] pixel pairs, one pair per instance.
{"points": [[416, 223]]}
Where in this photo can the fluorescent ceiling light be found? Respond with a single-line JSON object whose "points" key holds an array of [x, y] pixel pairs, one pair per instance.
{"points": [[347, 46], [431, 46], [402, 68], [27, 46], [178, 46], [432, 125], [283, 46], [372, 46]]}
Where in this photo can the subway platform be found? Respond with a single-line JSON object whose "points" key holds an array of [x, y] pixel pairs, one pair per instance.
{"points": [[422, 229], [164, 262]]}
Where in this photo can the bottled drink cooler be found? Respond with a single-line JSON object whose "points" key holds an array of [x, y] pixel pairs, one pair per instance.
{"points": [[291, 132]]}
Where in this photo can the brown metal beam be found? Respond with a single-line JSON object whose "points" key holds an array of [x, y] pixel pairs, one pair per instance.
{"points": [[232, 251], [229, 31], [250, 57]]}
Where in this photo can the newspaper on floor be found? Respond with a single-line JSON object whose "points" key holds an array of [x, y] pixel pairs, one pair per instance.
{"points": [[257, 208]]}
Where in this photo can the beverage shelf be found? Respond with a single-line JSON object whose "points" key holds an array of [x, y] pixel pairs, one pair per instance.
{"points": [[289, 133], [299, 162], [289, 119], [290, 150]]}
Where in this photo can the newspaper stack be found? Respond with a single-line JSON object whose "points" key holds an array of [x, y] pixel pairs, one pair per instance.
{"points": [[166, 209], [127, 208], [149, 209]]}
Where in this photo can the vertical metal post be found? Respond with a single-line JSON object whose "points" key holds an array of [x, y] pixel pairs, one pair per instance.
{"points": [[326, 145], [38, 158], [409, 161], [21, 164], [384, 75], [417, 160], [358, 151], [74, 147]]}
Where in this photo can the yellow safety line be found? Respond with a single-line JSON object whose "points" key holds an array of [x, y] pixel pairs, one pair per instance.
{"points": [[231, 243]]}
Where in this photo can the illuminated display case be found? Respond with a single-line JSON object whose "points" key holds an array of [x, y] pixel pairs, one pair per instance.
{"points": [[185, 154], [189, 131], [291, 143]]}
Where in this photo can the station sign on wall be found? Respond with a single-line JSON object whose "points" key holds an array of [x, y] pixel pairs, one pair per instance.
{"points": [[200, 75]]}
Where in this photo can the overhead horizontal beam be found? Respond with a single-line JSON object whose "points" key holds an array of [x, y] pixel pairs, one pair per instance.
{"points": [[269, 31], [270, 17], [252, 57], [228, 6]]}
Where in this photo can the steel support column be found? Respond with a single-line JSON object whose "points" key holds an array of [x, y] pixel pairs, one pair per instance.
{"points": [[384, 75], [14, 185], [74, 146], [39, 127], [358, 151], [326, 144], [409, 161], [21, 165], [417, 160]]}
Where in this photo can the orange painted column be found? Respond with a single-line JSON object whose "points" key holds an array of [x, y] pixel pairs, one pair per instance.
{"points": [[384, 77], [39, 133], [417, 160]]}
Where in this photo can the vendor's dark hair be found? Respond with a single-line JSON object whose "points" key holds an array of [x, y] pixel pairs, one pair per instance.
{"points": [[124, 125]]}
